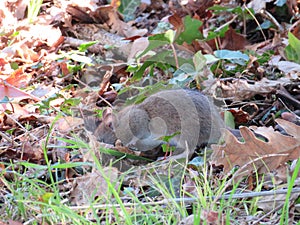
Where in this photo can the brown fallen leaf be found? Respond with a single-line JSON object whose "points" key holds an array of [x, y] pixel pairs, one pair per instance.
{"points": [[239, 89], [10, 85], [231, 41], [269, 203], [7, 90], [67, 124], [257, 155], [93, 185]]}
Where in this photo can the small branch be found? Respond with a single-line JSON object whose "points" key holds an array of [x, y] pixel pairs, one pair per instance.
{"points": [[238, 172], [22, 127], [188, 200], [225, 24], [267, 15], [175, 56]]}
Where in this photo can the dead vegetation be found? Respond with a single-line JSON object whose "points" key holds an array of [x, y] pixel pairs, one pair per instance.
{"points": [[63, 62]]}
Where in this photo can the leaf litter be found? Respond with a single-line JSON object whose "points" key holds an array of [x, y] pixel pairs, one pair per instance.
{"points": [[43, 72]]}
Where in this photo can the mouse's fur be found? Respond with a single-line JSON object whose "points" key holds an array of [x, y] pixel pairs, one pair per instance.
{"points": [[142, 127]]}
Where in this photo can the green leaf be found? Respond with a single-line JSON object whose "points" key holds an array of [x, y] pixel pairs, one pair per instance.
{"points": [[237, 11], [210, 58], [81, 58], [167, 148], [221, 9], [167, 138], [83, 47], [218, 8], [265, 25], [162, 57], [45, 104], [170, 36], [293, 49], [140, 72], [213, 34], [55, 166], [146, 91], [46, 197], [196, 163], [33, 9], [73, 143], [191, 31], [163, 60], [70, 165], [199, 61], [233, 56], [121, 154], [229, 119], [183, 75], [167, 58], [128, 8], [155, 41], [68, 103], [14, 65]]}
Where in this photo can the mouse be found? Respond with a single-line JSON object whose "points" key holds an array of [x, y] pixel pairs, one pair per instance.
{"points": [[187, 116]]}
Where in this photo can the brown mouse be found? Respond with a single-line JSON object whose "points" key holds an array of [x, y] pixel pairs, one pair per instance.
{"points": [[142, 127]]}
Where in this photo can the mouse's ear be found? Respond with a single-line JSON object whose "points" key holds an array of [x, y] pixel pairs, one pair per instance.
{"points": [[106, 112], [107, 117]]}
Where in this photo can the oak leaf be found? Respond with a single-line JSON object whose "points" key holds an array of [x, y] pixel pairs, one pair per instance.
{"points": [[255, 154]]}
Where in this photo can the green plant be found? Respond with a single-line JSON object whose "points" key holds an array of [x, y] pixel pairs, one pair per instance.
{"points": [[66, 107], [128, 8], [186, 70], [76, 59], [164, 58], [292, 51], [284, 219], [33, 9], [167, 147]]}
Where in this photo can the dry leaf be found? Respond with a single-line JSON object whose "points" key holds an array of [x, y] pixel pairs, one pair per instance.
{"points": [[93, 185], [239, 89], [177, 22], [67, 124], [233, 40], [10, 91], [257, 5], [290, 68], [254, 154], [269, 203]]}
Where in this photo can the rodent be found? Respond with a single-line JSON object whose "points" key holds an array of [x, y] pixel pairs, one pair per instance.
{"points": [[141, 127]]}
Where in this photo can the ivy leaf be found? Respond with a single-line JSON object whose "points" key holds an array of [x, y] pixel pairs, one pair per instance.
{"points": [[128, 8], [233, 56], [155, 41], [191, 31], [199, 61]]}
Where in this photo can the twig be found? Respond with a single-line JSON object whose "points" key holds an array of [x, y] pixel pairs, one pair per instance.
{"points": [[21, 126], [267, 15], [269, 213], [225, 24], [238, 172], [258, 24], [4, 136], [91, 89], [188, 200]]}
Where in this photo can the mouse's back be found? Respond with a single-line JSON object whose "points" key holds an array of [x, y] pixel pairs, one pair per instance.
{"points": [[185, 112]]}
